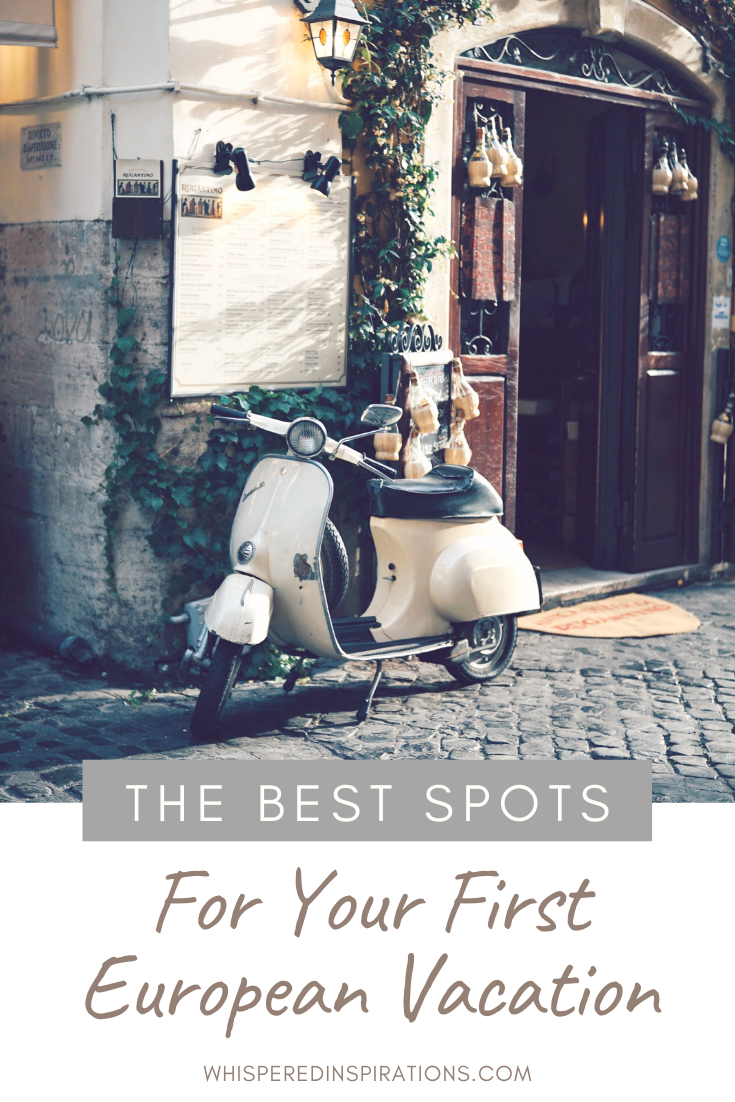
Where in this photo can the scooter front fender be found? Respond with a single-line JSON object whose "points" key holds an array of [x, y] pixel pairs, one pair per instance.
{"points": [[240, 610], [484, 574]]}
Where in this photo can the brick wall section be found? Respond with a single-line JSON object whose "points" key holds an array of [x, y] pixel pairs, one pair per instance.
{"points": [[55, 333]]}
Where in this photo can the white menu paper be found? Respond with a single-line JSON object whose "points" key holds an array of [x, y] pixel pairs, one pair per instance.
{"points": [[261, 284]]}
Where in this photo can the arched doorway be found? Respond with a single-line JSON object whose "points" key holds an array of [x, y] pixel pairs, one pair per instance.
{"points": [[587, 351]]}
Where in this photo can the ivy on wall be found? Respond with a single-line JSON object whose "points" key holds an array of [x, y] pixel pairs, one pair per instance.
{"points": [[713, 21], [394, 87]]}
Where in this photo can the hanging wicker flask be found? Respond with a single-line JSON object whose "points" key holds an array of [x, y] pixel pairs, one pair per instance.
{"points": [[423, 409]]}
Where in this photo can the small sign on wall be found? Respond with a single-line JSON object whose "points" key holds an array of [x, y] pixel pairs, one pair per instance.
{"points": [[40, 146], [137, 203], [721, 312]]}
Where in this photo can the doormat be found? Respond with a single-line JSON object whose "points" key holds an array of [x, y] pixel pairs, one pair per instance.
{"points": [[629, 614]]}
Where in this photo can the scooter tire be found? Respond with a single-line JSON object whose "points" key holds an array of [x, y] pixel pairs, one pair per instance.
{"points": [[334, 565], [215, 691], [486, 667]]}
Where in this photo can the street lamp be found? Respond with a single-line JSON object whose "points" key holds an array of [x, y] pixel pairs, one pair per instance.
{"points": [[335, 27]]}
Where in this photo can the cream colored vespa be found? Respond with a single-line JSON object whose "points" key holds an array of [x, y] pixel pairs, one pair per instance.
{"points": [[450, 578]]}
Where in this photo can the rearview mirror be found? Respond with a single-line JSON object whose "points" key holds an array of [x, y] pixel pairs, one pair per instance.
{"points": [[381, 415]]}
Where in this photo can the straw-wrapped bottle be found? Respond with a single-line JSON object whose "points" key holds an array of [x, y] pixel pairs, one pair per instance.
{"points": [[458, 450], [465, 398], [388, 441], [424, 412], [418, 463]]}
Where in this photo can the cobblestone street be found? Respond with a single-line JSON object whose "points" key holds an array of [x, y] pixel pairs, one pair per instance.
{"points": [[670, 699]]}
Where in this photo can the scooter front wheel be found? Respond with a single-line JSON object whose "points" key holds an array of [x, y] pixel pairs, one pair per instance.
{"points": [[493, 641], [218, 682]]}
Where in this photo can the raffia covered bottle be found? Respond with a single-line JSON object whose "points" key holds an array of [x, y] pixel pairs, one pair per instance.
{"points": [[479, 168], [692, 182], [679, 173], [418, 463], [496, 152], [424, 412], [662, 174], [514, 175], [464, 397], [458, 450], [388, 442]]}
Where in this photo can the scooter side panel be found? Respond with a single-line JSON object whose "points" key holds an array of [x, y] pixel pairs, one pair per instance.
{"points": [[483, 574], [432, 574]]}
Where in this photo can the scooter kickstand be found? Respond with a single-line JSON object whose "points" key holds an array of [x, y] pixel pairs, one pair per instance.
{"points": [[365, 707], [293, 676]]}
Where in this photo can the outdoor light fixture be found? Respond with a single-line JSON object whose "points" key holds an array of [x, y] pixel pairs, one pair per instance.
{"points": [[335, 27], [319, 175], [225, 156]]}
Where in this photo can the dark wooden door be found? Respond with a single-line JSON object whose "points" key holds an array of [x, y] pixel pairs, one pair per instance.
{"points": [[662, 391], [484, 332]]}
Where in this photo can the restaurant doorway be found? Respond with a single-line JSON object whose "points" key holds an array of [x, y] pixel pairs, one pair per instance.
{"points": [[588, 358]]}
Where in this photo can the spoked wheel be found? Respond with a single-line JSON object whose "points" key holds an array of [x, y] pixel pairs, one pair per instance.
{"points": [[217, 686], [493, 640]]}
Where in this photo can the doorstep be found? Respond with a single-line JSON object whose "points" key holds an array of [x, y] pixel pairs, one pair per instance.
{"points": [[582, 583]]}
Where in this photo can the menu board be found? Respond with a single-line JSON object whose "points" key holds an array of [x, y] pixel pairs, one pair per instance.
{"points": [[260, 284]]}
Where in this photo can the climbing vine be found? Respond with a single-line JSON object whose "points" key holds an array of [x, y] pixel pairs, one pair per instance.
{"points": [[394, 88], [713, 22]]}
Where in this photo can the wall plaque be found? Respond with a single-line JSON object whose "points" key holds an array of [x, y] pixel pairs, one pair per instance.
{"points": [[40, 145], [137, 203], [261, 284]]}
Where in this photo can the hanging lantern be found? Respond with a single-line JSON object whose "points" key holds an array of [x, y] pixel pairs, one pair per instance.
{"points": [[335, 27]]}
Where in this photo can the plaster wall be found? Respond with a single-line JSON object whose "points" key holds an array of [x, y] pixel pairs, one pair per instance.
{"points": [[652, 30], [56, 259]]}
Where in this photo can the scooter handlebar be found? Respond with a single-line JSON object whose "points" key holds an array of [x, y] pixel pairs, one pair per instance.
{"points": [[268, 424], [228, 413]]}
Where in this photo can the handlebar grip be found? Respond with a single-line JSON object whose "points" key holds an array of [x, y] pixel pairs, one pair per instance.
{"points": [[227, 412]]}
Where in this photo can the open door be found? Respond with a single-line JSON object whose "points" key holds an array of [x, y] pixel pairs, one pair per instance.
{"points": [[661, 404]]}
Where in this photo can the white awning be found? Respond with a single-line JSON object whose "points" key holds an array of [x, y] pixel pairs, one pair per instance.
{"points": [[27, 23]]}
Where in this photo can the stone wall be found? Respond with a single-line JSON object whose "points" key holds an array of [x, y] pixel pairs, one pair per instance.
{"points": [[55, 333]]}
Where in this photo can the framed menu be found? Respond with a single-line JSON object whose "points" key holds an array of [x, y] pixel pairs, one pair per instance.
{"points": [[260, 287]]}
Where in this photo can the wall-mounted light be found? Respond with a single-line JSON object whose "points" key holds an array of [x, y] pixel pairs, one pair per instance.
{"points": [[225, 157], [319, 175], [335, 27]]}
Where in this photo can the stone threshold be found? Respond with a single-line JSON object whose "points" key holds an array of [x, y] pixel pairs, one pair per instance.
{"points": [[569, 587]]}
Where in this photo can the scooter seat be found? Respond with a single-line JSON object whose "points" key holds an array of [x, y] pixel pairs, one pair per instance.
{"points": [[446, 492]]}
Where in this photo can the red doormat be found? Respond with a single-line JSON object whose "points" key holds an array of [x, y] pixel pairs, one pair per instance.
{"points": [[629, 614]]}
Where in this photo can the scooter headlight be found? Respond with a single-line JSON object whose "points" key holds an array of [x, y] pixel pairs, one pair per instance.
{"points": [[306, 437]]}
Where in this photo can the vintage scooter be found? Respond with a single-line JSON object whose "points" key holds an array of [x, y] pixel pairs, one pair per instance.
{"points": [[450, 578]]}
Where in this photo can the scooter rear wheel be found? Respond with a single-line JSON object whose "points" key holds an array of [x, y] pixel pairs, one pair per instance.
{"points": [[218, 682], [495, 639]]}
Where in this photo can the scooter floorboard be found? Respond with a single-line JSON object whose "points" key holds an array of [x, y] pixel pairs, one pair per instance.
{"points": [[398, 649]]}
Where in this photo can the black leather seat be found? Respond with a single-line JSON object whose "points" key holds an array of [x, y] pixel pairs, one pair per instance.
{"points": [[446, 492]]}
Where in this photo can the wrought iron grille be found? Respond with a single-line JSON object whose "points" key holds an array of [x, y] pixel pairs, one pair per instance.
{"points": [[570, 54]]}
